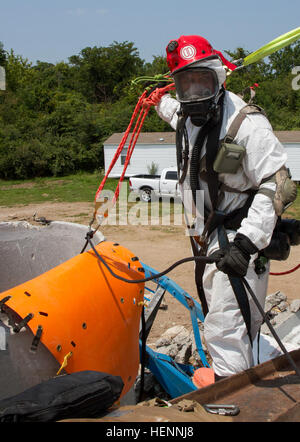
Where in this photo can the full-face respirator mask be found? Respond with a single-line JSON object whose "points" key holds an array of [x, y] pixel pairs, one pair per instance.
{"points": [[197, 90]]}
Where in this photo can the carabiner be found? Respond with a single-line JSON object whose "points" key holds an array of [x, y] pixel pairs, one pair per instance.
{"points": [[222, 409]]}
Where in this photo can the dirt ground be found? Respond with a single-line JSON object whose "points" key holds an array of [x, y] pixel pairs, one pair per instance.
{"points": [[159, 247]]}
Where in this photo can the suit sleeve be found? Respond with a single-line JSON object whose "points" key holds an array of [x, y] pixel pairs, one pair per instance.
{"points": [[167, 110], [265, 155]]}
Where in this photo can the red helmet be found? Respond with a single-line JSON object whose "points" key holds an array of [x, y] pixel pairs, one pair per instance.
{"points": [[188, 49]]}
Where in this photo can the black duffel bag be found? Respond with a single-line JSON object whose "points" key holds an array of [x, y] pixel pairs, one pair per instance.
{"points": [[85, 394]]}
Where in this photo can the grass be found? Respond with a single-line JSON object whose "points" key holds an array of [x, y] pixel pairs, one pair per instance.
{"points": [[80, 187], [294, 210]]}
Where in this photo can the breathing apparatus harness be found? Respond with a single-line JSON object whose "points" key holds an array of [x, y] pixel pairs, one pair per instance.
{"points": [[215, 161]]}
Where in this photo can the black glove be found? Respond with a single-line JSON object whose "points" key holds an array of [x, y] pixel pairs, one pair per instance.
{"points": [[234, 260]]}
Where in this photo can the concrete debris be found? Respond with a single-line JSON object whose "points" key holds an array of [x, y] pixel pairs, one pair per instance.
{"points": [[295, 305], [179, 343], [281, 310], [275, 300], [283, 306], [286, 323]]}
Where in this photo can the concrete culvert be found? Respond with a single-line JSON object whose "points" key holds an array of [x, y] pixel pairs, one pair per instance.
{"points": [[26, 251]]}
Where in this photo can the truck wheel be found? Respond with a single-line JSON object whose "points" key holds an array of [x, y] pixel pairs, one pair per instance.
{"points": [[145, 194]]}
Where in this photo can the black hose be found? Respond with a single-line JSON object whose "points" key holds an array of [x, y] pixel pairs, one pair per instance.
{"points": [[143, 356], [276, 337], [157, 275], [195, 160], [208, 260], [182, 155]]}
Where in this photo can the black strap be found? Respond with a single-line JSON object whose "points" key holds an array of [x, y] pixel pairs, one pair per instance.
{"points": [[36, 339], [211, 130], [232, 220], [237, 285], [23, 323], [3, 301], [199, 270]]}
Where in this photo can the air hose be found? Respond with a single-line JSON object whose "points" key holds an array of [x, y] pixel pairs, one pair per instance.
{"points": [[207, 260], [149, 278], [136, 281], [182, 155], [194, 164], [286, 272], [265, 317]]}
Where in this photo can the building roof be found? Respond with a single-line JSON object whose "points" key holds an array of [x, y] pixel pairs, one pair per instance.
{"points": [[284, 136], [288, 136], [145, 138]]}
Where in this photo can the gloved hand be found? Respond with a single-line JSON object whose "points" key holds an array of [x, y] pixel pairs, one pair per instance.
{"points": [[234, 260]]}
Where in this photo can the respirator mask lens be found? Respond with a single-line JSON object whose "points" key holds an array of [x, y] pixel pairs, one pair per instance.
{"points": [[196, 84]]}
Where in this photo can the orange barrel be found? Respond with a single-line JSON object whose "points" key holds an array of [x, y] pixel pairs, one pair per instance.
{"points": [[85, 311]]}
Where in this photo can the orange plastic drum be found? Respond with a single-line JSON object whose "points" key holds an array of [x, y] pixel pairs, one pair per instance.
{"points": [[84, 310]]}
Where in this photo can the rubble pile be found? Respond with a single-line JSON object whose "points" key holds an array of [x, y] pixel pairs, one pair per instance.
{"points": [[179, 343], [280, 310]]}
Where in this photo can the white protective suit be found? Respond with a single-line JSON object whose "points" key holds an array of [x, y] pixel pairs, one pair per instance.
{"points": [[224, 327]]}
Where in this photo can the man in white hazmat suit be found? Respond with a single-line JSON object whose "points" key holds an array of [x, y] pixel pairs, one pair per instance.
{"points": [[199, 78]]}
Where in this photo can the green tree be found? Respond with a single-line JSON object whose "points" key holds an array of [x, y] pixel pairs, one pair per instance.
{"points": [[18, 71], [283, 61], [54, 118], [158, 66], [103, 72]]}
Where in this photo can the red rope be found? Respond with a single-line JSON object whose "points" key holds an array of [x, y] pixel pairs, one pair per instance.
{"points": [[131, 147], [121, 145], [287, 272], [143, 106]]}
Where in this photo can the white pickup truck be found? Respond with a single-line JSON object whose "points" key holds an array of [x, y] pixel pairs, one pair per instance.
{"points": [[162, 185]]}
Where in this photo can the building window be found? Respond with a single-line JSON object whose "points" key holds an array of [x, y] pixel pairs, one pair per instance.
{"points": [[123, 156]]}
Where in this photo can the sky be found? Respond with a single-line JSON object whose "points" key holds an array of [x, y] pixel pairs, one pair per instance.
{"points": [[54, 30]]}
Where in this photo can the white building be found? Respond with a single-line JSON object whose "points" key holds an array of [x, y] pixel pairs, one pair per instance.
{"points": [[291, 141], [158, 148]]}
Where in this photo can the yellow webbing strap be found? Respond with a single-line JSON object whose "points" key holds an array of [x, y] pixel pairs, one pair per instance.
{"points": [[64, 363]]}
